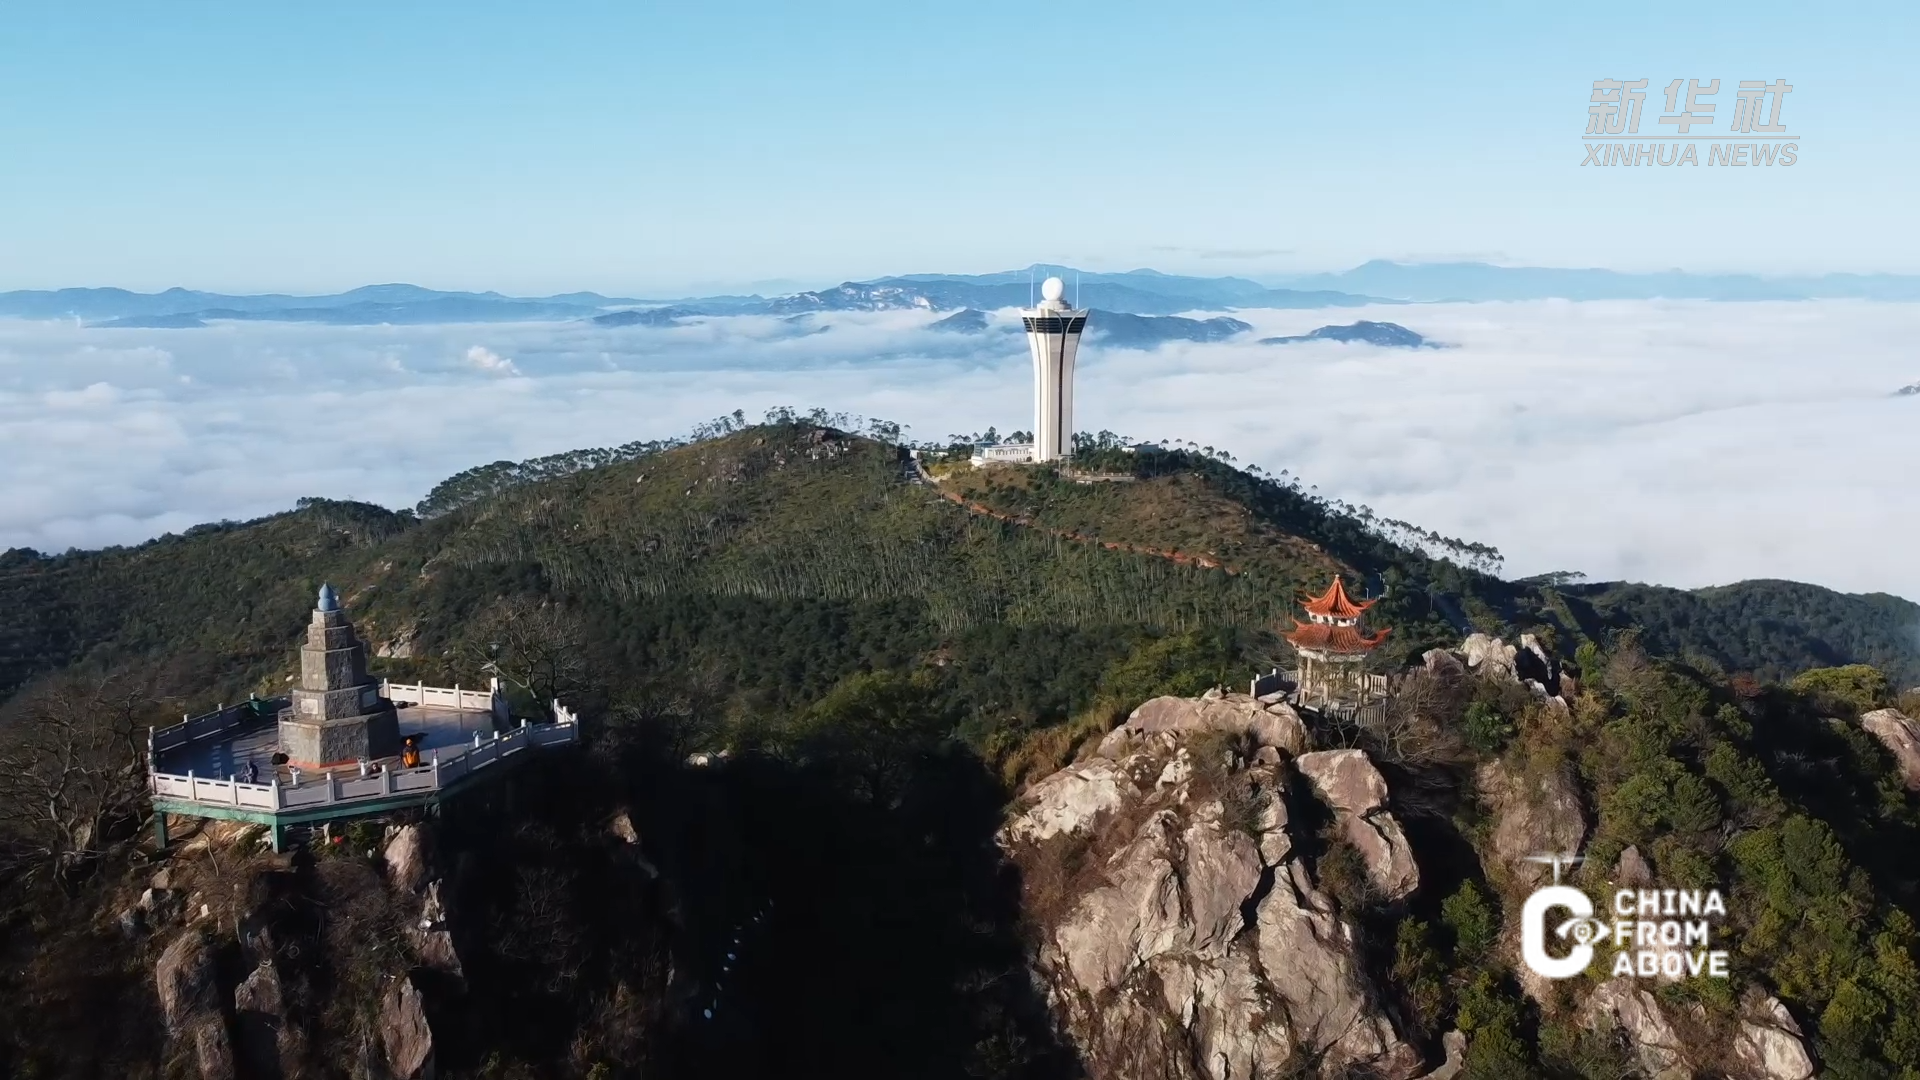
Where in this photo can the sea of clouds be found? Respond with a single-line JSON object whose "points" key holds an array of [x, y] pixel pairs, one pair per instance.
{"points": [[1686, 443]]}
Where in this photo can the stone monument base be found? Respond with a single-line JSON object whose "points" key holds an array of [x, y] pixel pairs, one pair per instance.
{"points": [[314, 743]]}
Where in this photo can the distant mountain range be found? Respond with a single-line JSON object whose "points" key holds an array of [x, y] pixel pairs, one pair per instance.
{"points": [[1390, 335], [1136, 292], [1484, 281], [1111, 329]]}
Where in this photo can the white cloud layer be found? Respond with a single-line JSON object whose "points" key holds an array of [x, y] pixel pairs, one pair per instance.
{"points": [[1678, 442]]}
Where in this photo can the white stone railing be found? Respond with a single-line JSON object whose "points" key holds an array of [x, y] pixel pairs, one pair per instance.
{"points": [[488, 700], [315, 789], [218, 722]]}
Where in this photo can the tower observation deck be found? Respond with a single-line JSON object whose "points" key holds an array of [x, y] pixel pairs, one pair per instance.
{"points": [[1053, 337]]}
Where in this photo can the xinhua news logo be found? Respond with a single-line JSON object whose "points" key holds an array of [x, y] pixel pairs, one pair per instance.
{"points": [[1655, 933], [1756, 135]]}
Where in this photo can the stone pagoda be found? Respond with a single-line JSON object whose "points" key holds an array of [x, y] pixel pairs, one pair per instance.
{"points": [[1334, 646], [338, 715]]}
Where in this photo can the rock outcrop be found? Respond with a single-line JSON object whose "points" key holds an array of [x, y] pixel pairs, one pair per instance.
{"points": [[1901, 736], [266, 1043], [1488, 655], [1769, 1045], [1356, 792], [408, 858], [1657, 1048], [1190, 939], [1532, 815], [431, 937], [1264, 724], [187, 983], [405, 1036]]}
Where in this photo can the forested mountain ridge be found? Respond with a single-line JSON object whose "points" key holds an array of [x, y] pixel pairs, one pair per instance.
{"points": [[791, 517]]}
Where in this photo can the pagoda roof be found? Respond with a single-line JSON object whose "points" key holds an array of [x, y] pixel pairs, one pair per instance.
{"points": [[1334, 604], [1322, 637]]}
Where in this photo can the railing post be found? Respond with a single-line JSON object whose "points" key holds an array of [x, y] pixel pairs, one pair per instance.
{"points": [[333, 794], [386, 780], [436, 769], [274, 784], [233, 790], [193, 788]]}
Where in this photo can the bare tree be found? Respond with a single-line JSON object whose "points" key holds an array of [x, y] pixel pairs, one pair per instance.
{"points": [[72, 766], [538, 647]]}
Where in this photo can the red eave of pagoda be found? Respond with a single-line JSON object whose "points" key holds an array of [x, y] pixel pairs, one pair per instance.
{"points": [[1337, 639], [1334, 604]]}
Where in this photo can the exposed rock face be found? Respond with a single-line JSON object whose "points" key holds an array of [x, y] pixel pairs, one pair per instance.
{"points": [[1200, 947], [1632, 871], [1070, 799], [1532, 816], [1901, 736], [1348, 782], [1489, 655], [1455, 1044], [404, 1033], [432, 939], [409, 862], [190, 1003], [1656, 1046], [1769, 1044], [1276, 724], [264, 1039]]}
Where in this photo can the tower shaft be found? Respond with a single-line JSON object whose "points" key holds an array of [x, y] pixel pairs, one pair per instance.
{"points": [[1053, 338]]}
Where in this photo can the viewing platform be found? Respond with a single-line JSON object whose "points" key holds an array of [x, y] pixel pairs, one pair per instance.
{"points": [[200, 767]]}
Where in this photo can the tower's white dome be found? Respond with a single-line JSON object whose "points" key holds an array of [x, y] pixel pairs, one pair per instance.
{"points": [[1052, 289]]}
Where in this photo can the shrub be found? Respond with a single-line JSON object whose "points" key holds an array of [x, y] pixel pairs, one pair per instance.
{"points": [[1486, 729], [1853, 689]]}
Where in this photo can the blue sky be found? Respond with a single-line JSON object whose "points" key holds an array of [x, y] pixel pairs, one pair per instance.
{"points": [[648, 149]]}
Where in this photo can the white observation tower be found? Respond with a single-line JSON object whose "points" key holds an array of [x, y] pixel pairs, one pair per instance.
{"points": [[1053, 336]]}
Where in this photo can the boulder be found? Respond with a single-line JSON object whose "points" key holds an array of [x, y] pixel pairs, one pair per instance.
{"points": [[1489, 655], [409, 862], [1769, 1044], [1347, 781], [1632, 871], [185, 980], [1443, 665], [212, 1049], [405, 1035], [620, 827], [1070, 799], [1901, 736], [1619, 1002]]}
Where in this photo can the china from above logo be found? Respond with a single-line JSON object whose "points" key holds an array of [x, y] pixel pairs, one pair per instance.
{"points": [[1756, 134], [1655, 933]]}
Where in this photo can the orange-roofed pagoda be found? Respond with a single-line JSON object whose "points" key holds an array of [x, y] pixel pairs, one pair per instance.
{"points": [[1333, 646]]}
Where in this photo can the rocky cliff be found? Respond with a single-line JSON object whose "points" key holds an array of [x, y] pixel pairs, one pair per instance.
{"points": [[1183, 928], [1189, 883]]}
